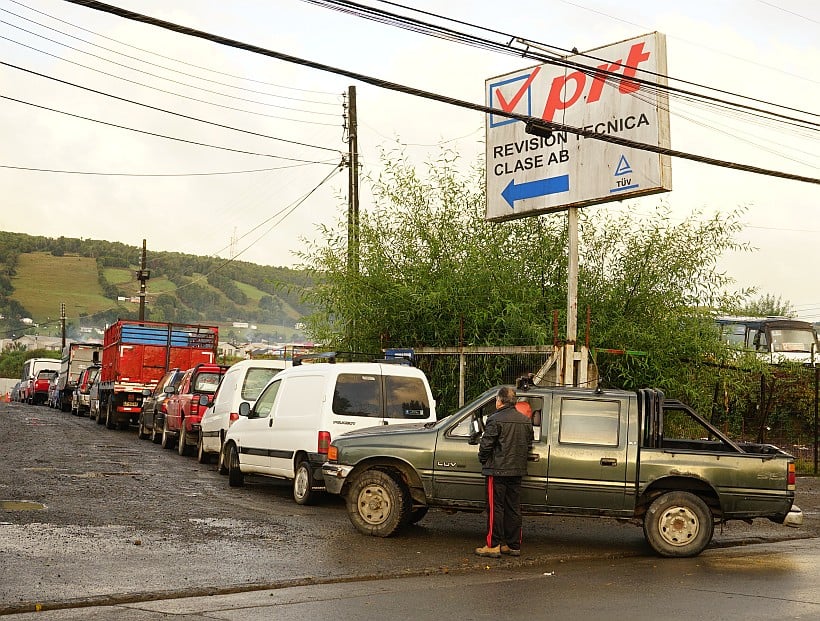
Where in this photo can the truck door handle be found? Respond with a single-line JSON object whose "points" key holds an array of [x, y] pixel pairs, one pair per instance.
{"points": [[609, 461], [533, 457], [270, 422]]}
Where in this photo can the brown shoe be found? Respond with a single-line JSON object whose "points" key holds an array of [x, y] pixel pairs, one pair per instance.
{"points": [[505, 549], [488, 551]]}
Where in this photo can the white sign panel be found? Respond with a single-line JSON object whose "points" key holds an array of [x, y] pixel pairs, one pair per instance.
{"points": [[528, 174]]}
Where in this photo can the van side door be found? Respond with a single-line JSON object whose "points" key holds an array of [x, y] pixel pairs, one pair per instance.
{"points": [[253, 432], [296, 420]]}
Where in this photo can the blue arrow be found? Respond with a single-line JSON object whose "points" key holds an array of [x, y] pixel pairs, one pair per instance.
{"points": [[531, 189]]}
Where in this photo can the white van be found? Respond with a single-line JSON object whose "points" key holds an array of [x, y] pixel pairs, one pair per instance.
{"points": [[30, 392], [243, 381], [286, 434]]}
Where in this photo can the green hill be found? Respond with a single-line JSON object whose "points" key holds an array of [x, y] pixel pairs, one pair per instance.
{"points": [[97, 282]]}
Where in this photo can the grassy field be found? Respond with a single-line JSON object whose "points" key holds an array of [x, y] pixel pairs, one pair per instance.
{"points": [[43, 281]]}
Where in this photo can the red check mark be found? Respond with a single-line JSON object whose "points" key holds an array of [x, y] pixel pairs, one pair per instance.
{"points": [[510, 106]]}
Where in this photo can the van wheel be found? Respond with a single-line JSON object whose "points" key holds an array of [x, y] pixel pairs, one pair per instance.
{"points": [[377, 503], [201, 456], [222, 464], [303, 492], [678, 524], [235, 476]]}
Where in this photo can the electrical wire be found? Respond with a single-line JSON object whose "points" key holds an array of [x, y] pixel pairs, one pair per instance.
{"points": [[65, 34], [141, 131], [547, 126], [154, 75], [134, 47], [167, 92], [114, 174], [171, 112]]}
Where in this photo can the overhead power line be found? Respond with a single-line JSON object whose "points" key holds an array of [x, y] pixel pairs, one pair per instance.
{"points": [[558, 127], [557, 57], [177, 60], [142, 131], [171, 112]]}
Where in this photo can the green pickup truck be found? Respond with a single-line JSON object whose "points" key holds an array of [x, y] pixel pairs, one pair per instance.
{"points": [[603, 453]]}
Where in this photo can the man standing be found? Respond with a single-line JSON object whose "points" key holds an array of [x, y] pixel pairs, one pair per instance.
{"points": [[503, 451]]}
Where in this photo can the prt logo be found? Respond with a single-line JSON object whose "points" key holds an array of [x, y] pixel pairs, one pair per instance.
{"points": [[561, 96]]}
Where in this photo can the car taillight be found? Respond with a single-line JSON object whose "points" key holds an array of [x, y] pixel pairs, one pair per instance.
{"points": [[324, 442], [232, 418], [792, 479], [332, 453], [194, 406]]}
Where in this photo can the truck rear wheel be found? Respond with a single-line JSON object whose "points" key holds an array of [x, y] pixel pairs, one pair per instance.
{"points": [[377, 503], [678, 524]]}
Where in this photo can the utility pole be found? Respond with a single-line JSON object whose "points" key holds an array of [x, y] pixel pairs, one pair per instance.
{"points": [[62, 321], [353, 184], [143, 275], [352, 199]]}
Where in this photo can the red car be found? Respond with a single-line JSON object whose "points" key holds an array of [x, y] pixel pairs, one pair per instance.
{"points": [[183, 410]]}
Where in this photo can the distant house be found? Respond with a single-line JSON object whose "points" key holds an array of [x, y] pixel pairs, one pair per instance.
{"points": [[229, 350], [30, 342]]}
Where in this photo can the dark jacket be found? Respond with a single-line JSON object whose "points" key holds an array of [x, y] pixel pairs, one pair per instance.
{"points": [[505, 444]]}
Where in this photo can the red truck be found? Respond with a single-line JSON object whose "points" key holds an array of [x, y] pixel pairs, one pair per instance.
{"points": [[136, 354], [183, 411]]}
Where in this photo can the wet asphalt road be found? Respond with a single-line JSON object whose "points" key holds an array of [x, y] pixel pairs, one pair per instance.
{"points": [[127, 521]]}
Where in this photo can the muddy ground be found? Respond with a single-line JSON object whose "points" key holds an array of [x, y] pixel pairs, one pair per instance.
{"points": [[121, 519]]}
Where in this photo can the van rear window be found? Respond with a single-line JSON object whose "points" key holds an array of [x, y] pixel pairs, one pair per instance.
{"points": [[357, 395], [376, 397], [405, 397]]}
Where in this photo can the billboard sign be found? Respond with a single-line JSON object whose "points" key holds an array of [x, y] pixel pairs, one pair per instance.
{"points": [[529, 174]]}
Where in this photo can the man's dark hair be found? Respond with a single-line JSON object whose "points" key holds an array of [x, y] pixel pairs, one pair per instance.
{"points": [[507, 396]]}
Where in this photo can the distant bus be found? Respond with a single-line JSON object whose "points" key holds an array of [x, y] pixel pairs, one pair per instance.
{"points": [[774, 339]]}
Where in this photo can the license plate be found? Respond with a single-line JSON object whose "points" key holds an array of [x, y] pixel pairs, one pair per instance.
{"points": [[131, 404]]}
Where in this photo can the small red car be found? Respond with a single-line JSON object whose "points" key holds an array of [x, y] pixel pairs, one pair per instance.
{"points": [[183, 410]]}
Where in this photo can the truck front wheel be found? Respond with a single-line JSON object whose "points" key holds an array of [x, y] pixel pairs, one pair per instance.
{"points": [[678, 524], [377, 503]]}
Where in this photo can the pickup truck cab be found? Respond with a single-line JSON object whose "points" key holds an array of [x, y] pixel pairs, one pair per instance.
{"points": [[597, 453], [183, 410]]}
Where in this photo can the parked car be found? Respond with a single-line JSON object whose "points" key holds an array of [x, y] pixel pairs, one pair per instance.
{"points": [[243, 381], [152, 416], [286, 434], [41, 386], [81, 396], [183, 410]]}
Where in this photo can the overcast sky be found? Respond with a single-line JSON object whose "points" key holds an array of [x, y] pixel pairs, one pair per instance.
{"points": [[168, 192]]}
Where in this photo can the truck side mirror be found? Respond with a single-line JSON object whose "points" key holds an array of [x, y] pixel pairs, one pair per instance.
{"points": [[475, 431], [205, 400], [169, 390]]}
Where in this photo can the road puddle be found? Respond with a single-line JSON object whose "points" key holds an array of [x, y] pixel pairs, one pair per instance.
{"points": [[21, 505]]}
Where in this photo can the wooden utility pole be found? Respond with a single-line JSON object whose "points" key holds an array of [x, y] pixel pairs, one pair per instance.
{"points": [[143, 275], [353, 184], [62, 321], [352, 200]]}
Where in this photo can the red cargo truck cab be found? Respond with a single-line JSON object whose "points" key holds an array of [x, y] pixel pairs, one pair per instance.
{"points": [[136, 354]]}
